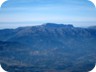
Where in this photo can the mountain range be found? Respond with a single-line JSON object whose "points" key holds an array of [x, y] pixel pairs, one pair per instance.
{"points": [[48, 48]]}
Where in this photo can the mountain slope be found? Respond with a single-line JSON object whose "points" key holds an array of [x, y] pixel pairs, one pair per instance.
{"points": [[51, 47]]}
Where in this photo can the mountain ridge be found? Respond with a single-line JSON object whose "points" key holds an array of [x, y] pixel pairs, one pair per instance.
{"points": [[49, 47]]}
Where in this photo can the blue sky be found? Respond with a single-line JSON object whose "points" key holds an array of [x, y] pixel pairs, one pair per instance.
{"points": [[16, 13]]}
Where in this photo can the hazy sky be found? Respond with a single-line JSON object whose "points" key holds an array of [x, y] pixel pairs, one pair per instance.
{"points": [[15, 13]]}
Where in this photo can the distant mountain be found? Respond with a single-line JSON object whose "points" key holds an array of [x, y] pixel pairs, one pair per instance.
{"points": [[28, 34], [92, 27], [50, 47]]}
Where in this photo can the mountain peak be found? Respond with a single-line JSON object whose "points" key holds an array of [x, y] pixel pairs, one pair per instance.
{"points": [[56, 25]]}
